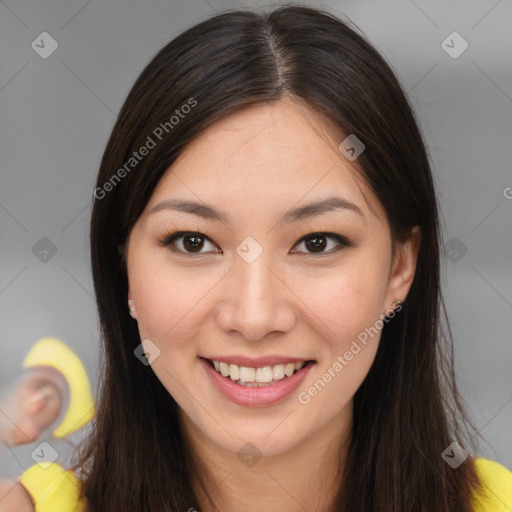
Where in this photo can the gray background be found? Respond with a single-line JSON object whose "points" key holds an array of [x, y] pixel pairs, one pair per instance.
{"points": [[56, 115]]}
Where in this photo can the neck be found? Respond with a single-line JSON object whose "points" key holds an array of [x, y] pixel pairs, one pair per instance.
{"points": [[306, 477]]}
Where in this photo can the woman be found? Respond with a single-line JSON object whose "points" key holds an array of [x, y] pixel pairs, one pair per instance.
{"points": [[265, 253]]}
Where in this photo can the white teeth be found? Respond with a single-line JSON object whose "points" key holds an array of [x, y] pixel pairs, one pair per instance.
{"points": [[256, 384], [234, 372], [265, 375], [224, 369], [278, 371], [247, 374], [289, 369]]}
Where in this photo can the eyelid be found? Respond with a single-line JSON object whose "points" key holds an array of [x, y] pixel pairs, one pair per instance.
{"points": [[167, 240], [343, 242], [340, 239]]}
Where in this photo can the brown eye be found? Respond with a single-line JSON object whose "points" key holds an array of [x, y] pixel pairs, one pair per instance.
{"points": [[317, 242], [189, 242], [193, 243]]}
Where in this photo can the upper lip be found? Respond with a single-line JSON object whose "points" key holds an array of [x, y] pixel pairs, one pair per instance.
{"points": [[258, 362]]}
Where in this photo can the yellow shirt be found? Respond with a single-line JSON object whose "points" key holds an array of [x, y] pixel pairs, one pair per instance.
{"points": [[497, 482], [56, 490]]}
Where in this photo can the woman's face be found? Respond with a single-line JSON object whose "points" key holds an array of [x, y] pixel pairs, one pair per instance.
{"points": [[263, 283]]}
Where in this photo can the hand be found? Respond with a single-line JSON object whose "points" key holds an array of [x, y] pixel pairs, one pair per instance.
{"points": [[33, 407], [14, 497]]}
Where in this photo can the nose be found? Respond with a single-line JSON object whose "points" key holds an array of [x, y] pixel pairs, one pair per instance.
{"points": [[255, 300]]}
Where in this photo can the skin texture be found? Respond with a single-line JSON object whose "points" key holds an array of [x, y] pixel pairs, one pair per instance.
{"points": [[291, 301]]}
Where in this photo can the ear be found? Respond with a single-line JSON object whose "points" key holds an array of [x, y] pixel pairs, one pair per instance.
{"points": [[131, 304], [403, 267]]}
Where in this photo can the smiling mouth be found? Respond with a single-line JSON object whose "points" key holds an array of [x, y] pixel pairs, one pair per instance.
{"points": [[257, 377]]}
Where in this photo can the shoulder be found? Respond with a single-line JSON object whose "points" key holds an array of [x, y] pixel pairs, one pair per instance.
{"points": [[496, 492]]}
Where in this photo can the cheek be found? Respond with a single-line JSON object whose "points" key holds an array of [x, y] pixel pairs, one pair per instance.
{"points": [[169, 303], [346, 300], [347, 312]]}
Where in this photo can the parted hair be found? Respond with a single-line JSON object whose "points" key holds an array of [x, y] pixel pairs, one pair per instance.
{"points": [[408, 409]]}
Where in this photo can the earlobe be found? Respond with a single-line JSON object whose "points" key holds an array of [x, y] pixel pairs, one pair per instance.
{"points": [[404, 266], [131, 305]]}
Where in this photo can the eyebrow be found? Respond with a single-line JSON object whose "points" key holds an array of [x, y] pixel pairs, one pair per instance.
{"points": [[302, 212]]}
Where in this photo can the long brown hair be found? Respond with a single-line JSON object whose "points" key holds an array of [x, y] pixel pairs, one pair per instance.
{"points": [[408, 409]]}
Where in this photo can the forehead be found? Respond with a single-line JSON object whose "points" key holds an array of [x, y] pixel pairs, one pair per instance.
{"points": [[263, 159]]}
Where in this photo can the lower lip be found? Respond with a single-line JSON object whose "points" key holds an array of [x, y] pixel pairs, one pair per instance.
{"points": [[255, 396]]}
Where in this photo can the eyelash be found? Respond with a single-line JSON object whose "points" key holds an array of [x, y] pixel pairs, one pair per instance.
{"points": [[168, 240]]}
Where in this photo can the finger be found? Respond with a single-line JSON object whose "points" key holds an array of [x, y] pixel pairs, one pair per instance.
{"points": [[36, 401]]}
